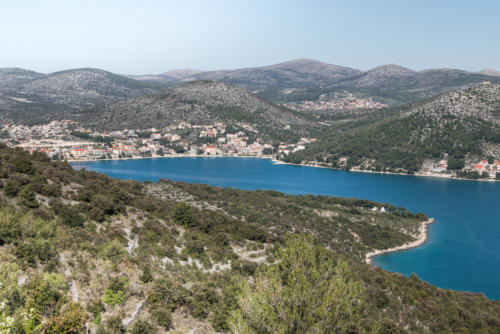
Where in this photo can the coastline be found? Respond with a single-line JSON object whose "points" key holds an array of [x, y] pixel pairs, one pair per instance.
{"points": [[279, 162], [422, 237], [173, 156], [442, 176]]}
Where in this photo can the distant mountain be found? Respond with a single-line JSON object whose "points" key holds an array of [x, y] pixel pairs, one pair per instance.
{"points": [[30, 96], [17, 76], [199, 102], [173, 76], [395, 85], [490, 72], [461, 124], [27, 96], [297, 73], [181, 74], [304, 79]]}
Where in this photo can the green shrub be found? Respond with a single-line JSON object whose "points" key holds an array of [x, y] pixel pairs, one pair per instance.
{"points": [[28, 197], [114, 250], [10, 188], [163, 318], [146, 275], [70, 216], [143, 327], [183, 214], [115, 325], [113, 297], [22, 163], [70, 320]]}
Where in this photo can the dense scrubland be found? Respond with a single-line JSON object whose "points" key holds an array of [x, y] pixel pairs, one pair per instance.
{"points": [[81, 251]]}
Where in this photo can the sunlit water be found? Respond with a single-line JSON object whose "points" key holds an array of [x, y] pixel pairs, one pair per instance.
{"points": [[463, 250]]}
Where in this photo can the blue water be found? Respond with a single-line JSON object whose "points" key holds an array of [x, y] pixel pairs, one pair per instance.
{"points": [[463, 250]]}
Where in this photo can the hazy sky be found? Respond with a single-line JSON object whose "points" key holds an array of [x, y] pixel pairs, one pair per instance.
{"points": [[147, 36]]}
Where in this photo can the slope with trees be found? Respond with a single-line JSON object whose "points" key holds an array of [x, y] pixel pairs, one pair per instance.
{"points": [[459, 125], [79, 249]]}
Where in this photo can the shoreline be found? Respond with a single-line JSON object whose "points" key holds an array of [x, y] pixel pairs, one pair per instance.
{"points": [[173, 156], [423, 236], [442, 176], [280, 162]]}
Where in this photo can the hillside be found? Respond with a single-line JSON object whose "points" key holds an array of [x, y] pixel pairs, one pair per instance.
{"points": [[199, 102], [27, 96], [81, 249], [460, 125]]}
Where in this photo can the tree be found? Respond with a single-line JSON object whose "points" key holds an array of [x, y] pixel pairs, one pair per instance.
{"points": [[10, 188], [267, 151], [70, 216], [456, 163], [305, 292], [28, 197], [183, 213], [22, 163]]}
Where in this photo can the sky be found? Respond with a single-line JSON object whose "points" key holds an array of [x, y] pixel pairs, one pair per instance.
{"points": [[154, 36]]}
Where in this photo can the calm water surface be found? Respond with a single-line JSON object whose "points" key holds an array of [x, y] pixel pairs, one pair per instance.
{"points": [[462, 253]]}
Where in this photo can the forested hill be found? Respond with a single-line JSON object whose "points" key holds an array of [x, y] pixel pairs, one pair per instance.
{"points": [[462, 125], [80, 251], [199, 102]]}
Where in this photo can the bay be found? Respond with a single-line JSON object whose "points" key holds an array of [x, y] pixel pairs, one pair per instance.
{"points": [[463, 249]]}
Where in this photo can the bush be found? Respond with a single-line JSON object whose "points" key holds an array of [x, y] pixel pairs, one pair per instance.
{"points": [[28, 197], [146, 275], [70, 216], [116, 292], [70, 320], [163, 318], [22, 163], [114, 250], [183, 214], [10, 188], [115, 325], [113, 297], [143, 327], [305, 292]]}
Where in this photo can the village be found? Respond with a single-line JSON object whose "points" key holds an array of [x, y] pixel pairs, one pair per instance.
{"points": [[473, 169], [67, 140], [338, 103]]}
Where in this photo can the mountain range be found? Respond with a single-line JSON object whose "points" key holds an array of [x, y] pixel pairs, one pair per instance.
{"points": [[305, 79], [27, 96]]}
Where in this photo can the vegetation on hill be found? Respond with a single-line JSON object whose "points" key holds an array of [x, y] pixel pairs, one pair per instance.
{"points": [[200, 102], [310, 80], [460, 125], [79, 249], [30, 98]]}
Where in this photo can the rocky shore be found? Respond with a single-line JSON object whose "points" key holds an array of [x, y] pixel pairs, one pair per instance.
{"points": [[421, 238]]}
